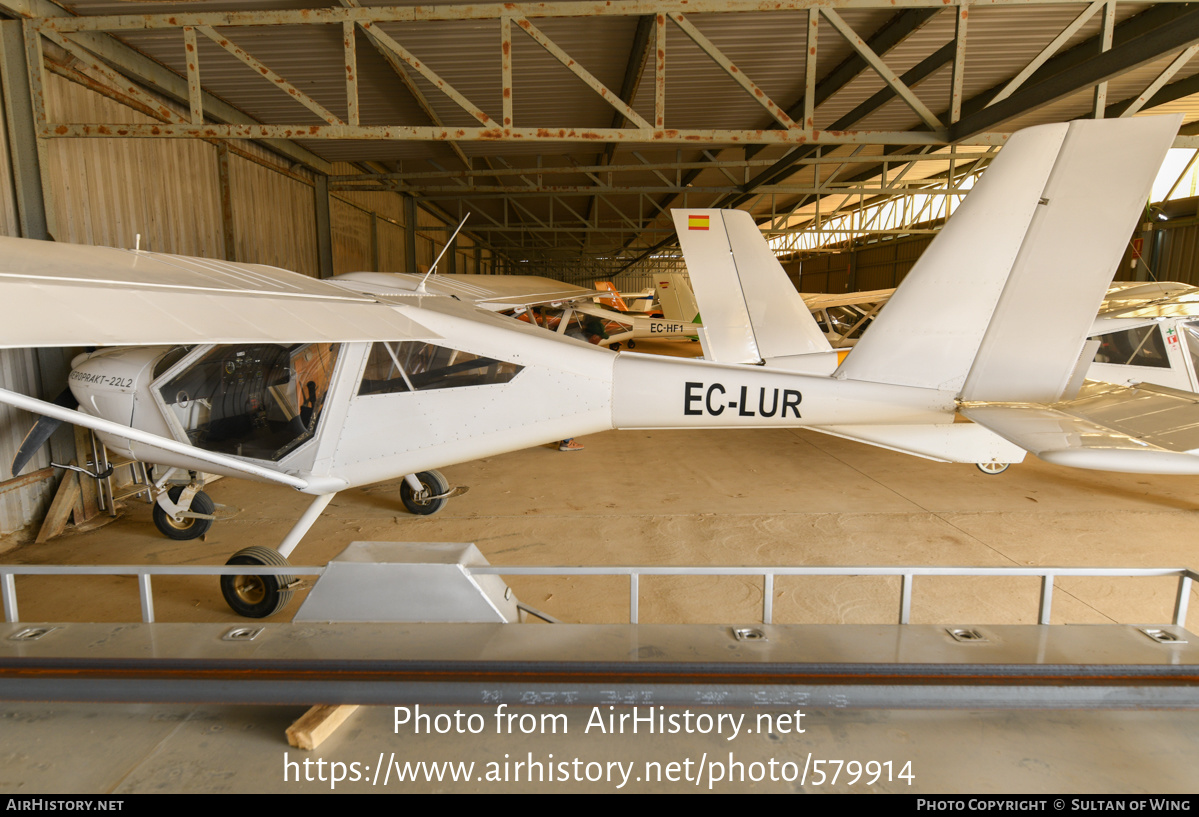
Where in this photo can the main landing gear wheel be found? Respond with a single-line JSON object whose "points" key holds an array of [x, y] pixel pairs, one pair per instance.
{"points": [[431, 498], [257, 596], [993, 467], [187, 527], [632, 344]]}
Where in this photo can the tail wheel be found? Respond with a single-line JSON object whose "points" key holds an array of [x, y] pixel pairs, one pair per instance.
{"points": [[257, 596], [993, 467], [429, 499], [187, 527]]}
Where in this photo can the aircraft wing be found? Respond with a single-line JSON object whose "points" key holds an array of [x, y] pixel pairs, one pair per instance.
{"points": [[125, 297], [1140, 429], [821, 300], [494, 292]]}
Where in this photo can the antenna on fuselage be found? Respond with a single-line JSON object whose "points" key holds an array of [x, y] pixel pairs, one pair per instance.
{"points": [[448, 244]]}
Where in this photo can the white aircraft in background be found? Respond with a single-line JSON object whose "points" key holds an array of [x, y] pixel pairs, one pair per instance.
{"points": [[1145, 333], [253, 372], [670, 301], [550, 304], [844, 317]]}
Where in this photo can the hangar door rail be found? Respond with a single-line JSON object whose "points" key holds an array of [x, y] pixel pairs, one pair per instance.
{"points": [[1047, 575]]}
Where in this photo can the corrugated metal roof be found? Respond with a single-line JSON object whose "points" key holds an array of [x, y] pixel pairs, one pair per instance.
{"points": [[769, 47]]}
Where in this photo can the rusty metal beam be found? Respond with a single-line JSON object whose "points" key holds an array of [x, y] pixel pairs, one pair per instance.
{"points": [[894, 82], [156, 77], [191, 54], [794, 136], [257, 65], [344, 181], [1145, 47], [639, 53], [425, 71], [737, 75], [397, 67], [482, 192], [493, 11], [582, 73], [889, 35], [349, 46]]}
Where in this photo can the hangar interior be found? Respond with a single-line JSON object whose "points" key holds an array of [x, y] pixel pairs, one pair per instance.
{"points": [[348, 136]]}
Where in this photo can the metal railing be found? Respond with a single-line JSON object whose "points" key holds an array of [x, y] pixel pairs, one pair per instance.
{"points": [[8, 574], [1047, 575]]}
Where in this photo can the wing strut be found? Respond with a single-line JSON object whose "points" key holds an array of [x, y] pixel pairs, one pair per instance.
{"points": [[46, 409]]}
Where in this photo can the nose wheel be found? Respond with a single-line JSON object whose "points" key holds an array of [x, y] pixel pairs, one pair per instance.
{"points": [[431, 496], [257, 596], [187, 521]]}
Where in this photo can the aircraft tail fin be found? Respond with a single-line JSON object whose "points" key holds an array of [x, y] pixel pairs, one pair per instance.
{"points": [[751, 311], [676, 298], [610, 297], [999, 306]]}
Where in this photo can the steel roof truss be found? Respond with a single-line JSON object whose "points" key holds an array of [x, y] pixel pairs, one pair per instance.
{"points": [[1162, 78], [251, 61], [738, 76], [890, 77]]}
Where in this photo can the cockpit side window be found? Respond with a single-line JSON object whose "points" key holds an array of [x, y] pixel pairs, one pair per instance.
{"points": [[403, 366], [253, 400], [1140, 346]]}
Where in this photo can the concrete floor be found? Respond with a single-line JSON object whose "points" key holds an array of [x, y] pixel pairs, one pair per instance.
{"points": [[770, 497]]}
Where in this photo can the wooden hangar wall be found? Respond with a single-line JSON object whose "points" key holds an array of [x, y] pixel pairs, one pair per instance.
{"points": [[107, 192]]}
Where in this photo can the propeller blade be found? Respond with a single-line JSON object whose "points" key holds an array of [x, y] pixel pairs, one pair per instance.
{"points": [[41, 431]]}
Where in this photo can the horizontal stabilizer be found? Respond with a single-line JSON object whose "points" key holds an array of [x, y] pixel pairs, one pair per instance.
{"points": [[750, 310], [943, 442], [1143, 429]]}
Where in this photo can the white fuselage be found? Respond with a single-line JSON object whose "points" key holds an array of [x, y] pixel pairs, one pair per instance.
{"points": [[555, 387]]}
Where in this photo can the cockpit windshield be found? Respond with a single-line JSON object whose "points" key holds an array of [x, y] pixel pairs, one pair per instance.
{"points": [[253, 400]]}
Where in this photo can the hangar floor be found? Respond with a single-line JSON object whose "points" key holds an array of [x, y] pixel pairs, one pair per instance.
{"points": [[771, 497]]}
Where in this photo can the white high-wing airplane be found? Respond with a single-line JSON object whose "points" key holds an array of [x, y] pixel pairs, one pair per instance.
{"points": [[253, 372], [551, 304], [844, 317]]}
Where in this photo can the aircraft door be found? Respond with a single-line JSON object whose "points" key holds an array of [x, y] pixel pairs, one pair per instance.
{"points": [[254, 400]]}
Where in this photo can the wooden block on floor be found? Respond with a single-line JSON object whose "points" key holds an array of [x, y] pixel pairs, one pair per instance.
{"points": [[64, 503], [317, 724], [88, 506]]}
